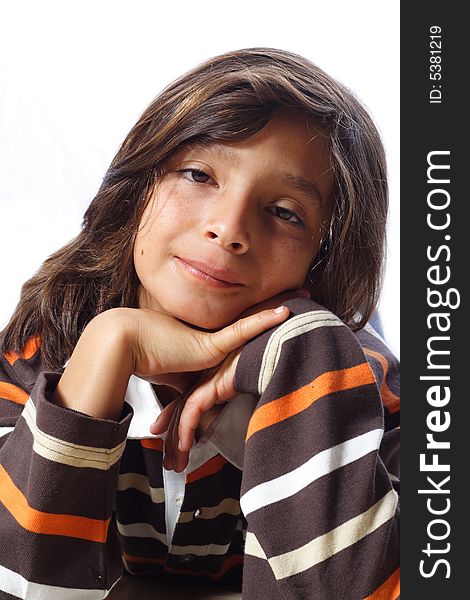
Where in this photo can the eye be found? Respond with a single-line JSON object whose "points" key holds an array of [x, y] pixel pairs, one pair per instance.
{"points": [[195, 175], [286, 215]]}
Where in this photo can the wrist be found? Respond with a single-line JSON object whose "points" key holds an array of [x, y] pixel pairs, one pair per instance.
{"points": [[115, 328], [97, 374]]}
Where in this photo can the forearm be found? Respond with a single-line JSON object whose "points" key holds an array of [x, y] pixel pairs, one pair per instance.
{"points": [[95, 379], [312, 464]]}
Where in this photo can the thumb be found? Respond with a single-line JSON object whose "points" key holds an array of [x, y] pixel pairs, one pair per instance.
{"points": [[222, 342]]}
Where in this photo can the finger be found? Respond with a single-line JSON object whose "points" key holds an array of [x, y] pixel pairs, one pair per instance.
{"points": [[168, 461], [220, 343], [200, 401], [162, 422], [179, 458], [168, 445]]}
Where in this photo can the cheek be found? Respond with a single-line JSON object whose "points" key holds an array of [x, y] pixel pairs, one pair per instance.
{"points": [[289, 263], [299, 254], [173, 205], [170, 212]]}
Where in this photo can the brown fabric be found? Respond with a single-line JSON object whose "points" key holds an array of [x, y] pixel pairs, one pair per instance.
{"points": [[61, 502]]}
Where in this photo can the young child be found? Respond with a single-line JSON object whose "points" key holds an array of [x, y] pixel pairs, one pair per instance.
{"points": [[253, 183]]}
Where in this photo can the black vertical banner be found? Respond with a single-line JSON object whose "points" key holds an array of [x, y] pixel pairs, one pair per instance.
{"points": [[435, 163]]}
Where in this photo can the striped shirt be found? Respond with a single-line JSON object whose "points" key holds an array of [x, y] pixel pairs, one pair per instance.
{"points": [[313, 513]]}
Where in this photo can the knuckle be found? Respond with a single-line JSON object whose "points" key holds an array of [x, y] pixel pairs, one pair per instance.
{"points": [[241, 328], [210, 348]]}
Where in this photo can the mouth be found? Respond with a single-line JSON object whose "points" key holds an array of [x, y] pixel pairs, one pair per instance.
{"points": [[217, 277]]}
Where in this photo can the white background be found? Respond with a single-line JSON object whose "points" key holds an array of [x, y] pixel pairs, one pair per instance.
{"points": [[75, 76]]}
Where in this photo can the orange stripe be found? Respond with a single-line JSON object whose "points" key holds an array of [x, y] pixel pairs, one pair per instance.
{"points": [[29, 350], [48, 523], [389, 590], [210, 467], [142, 559], [333, 381], [391, 400], [13, 393], [152, 444], [229, 563]]}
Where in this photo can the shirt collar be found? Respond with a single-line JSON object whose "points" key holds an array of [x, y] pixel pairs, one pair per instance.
{"points": [[226, 434]]}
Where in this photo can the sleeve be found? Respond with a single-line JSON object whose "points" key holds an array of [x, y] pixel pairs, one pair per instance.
{"points": [[321, 505], [58, 479]]}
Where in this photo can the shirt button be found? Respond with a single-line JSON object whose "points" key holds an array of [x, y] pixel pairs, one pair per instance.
{"points": [[186, 558], [197, 513]]}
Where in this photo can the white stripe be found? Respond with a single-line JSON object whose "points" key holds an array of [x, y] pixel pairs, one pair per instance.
{"points": [[139, 482], [253, 547], [240, 527], [74, 455], [325, 546], [368, 327], [16, 585], [5, 430], [227, 506], [145, 530], [294, 327], [141, 530], [202, 550], [319, 465]]}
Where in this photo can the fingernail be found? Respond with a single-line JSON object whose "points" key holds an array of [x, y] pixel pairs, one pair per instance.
{"points": [[180, 446], [280, 309]]}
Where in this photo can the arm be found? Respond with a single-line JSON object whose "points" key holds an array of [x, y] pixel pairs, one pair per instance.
{"points": [[321, 507], [64, 437], [58, 473]]}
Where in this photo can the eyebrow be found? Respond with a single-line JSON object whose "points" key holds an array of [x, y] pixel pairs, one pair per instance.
{"points": [[301, 185], [218, 150]]}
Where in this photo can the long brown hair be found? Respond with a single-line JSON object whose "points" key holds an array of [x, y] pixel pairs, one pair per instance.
{"points": [[230, 97]]}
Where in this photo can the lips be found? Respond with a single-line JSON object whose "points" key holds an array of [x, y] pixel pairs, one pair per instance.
{"points": [[219, 276]]}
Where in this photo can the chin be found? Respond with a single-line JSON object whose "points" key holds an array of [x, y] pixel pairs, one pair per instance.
{"points": [[207, 324], [205, 318]]}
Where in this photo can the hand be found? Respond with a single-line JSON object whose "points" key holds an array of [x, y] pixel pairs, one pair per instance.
{"points": [[123, 341], [162, 345], [186, 413]]}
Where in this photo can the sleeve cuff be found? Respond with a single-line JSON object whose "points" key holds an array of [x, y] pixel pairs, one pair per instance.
{"points": [[72, 426]]}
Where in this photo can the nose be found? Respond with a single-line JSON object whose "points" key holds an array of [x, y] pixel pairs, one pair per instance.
{"points": [[228, 224]]}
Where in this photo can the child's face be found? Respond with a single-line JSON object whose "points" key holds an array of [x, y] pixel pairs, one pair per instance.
{"points": [[230, 226]]}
